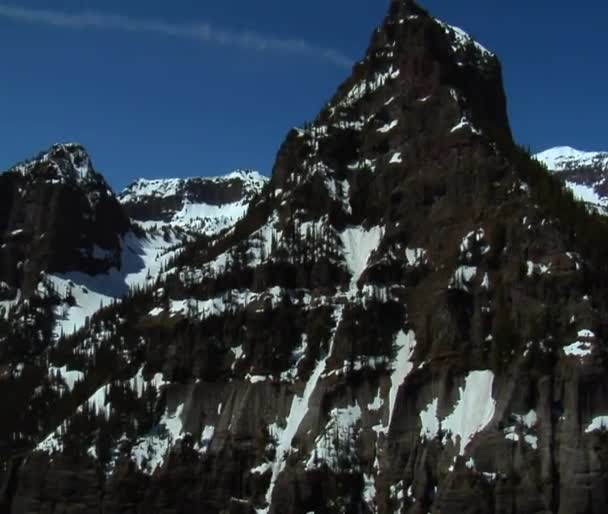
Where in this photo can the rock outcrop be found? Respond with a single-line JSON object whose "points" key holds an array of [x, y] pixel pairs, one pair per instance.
{"points": [[399, 323]]}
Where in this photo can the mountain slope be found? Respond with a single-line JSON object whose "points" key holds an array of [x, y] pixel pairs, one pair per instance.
{"points": [[584, 173], [398, 324]]}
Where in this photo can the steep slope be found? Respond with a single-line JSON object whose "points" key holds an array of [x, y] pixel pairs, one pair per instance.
{"points": [[398, 324], [584, 173], [199, 205]]}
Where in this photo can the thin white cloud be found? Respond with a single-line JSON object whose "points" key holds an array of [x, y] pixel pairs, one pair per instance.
{"points": [[203, 32]]}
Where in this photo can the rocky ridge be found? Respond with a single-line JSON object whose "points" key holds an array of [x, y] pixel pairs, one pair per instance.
{"points": [[400, 323], [199, 205]]}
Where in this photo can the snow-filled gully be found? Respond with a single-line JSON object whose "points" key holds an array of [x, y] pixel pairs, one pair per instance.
{"points": [[297, 413]]}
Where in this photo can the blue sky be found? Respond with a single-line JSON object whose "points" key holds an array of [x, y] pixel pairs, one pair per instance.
{"points": [[155, 103]]}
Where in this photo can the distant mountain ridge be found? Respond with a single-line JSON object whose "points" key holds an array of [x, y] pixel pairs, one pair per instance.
{"points": [[584, 173], [204, 205]]}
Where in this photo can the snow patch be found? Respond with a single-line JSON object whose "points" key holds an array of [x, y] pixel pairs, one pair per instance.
{"points": [[473, 412], [149, 453], [359, 244], [403, 365], [388, 127], [70, 378], [396, 158], [599, 424], [583, 347]]}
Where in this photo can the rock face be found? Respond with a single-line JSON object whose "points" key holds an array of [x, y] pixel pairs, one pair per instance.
{"points": [[57, 214], [584, 173], [201, 205], [399, 324]]}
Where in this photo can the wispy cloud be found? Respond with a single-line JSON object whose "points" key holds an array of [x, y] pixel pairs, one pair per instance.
{"points": [[203, 32]]}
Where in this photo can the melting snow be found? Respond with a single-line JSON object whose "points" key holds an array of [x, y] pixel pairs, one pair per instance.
{"points": [[462, 278], [369, 492], [359, 244], [472, 413], [396, 158], [465, 123], [388, 127], [70, 378], [415, 256], [528, 420], [586, 194], [297, 413], [430, 421], [583, 347], [598, 424], [150, 452], [341, 429], [534, 268], [405, 343], [377, 403], [474, 410], [142, 260]]}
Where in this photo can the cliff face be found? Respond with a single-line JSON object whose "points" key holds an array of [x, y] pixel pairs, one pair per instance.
{"points": [[396, 325]]}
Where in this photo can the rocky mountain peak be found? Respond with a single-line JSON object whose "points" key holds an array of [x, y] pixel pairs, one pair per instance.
{"points": [[421, 82], [58, 214], [67, 163]]}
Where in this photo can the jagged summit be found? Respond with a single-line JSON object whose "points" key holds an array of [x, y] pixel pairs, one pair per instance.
{"points": [[420, 83], [57, 214], [63, 162], [402, 10]]}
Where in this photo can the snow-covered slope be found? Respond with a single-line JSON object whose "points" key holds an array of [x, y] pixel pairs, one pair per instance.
{"points": [[82, 295], [566, 158], [203, 205], [584, 173]]}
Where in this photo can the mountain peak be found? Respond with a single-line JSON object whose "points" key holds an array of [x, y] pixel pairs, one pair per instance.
{"points": [[68, 163], [563, 158]]}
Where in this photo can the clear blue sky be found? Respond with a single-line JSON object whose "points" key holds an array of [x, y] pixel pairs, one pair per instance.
{"points": [[157, 100]]}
